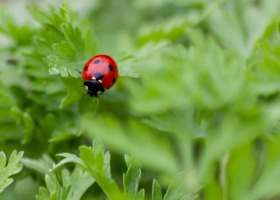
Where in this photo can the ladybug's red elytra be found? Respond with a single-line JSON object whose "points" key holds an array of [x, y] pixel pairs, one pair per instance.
{"points": [[100, 73]]}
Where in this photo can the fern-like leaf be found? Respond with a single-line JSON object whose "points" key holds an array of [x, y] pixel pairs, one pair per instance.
{"points": [[7, 169]]}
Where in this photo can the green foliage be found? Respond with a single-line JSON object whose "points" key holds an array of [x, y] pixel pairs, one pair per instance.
{"points": [[62, 184], [68, 46], [132, 178], [7, 169], [196, 105], [93, 166]]}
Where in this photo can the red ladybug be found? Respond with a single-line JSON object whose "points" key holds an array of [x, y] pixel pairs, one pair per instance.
{"points": [[100, 73]]}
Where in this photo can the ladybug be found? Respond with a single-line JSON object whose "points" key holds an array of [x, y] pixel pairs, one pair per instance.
{"points": [[100, 73]]}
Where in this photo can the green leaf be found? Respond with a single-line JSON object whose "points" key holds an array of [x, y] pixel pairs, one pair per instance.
{"points": [[21, 34], [65, 44], [98, 165], [42, 165], [131, 178], [265, 79], [66, 131], [213, 190], [80, 182], [140, 195], [173, 28], [17, 114], [43, 194], [56, 184], [74, 87], [267, 184], [61, 184], [239, 188], [176, 191], [156, 191], [68, 157], [157, 156], [10, 168], [241, 32], [29, 126]]}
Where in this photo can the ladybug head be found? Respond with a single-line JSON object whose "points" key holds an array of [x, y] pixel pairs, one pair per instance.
{"points": [[94, 87]]}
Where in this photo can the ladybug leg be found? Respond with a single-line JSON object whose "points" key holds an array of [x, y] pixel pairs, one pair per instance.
{"points": [[94, 88]]}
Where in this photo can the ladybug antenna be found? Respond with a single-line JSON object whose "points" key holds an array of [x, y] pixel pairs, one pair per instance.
{"points": [[79, 71]]}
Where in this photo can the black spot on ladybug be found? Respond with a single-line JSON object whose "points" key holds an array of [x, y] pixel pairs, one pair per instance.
{"points": [[98, 76], [111, 68], [96, 61], [85, 68], [114, 80]]}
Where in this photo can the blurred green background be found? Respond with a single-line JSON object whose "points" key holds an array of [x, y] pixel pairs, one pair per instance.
{"points": [[198, 92]]}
